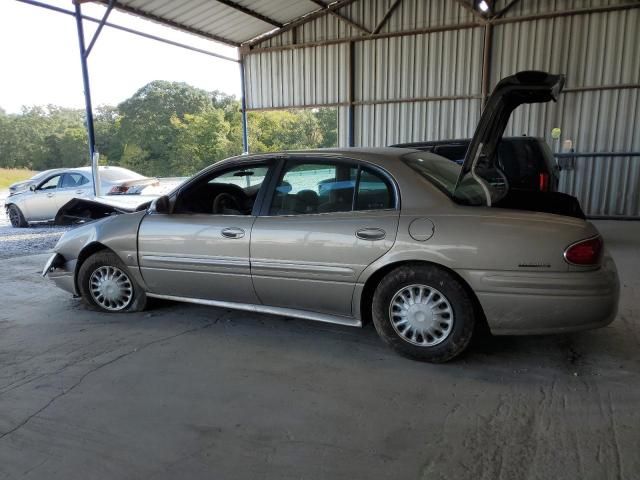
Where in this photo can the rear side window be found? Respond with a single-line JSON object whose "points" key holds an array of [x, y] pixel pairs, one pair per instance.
{"points": [[70, 180], [374, 192], [309, 188]]}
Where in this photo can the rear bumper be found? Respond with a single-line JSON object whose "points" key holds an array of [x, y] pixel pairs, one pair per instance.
{"points": [[531, 303]]}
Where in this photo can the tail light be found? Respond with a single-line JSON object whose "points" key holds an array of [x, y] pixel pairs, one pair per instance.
{"points": [[585, 252], [543, 182], [118, 189]]}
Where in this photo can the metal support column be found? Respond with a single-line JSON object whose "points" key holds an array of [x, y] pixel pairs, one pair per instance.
{"points": [[486, 62], [352, 88], [87, 96], [243, 102]]}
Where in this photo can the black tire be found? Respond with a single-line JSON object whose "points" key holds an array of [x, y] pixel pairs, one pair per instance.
{"points": [[460, 327], [109, 260], [16, 218]]}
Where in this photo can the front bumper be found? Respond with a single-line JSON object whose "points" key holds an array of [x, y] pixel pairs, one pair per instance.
{"points": [[532, 303], [61, 272]]}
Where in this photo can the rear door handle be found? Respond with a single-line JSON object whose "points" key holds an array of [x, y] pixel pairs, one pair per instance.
{"points": [[371, 234], [232, 232], [79, 192]]}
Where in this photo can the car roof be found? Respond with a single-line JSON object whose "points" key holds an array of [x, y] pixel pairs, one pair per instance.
{"points": [[101, 167], [463, 141], [385, 157]]}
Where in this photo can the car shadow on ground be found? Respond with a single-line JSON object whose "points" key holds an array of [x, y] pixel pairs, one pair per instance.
{"points": [[488, 357]]}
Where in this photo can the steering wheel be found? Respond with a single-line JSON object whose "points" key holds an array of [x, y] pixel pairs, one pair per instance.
{"points": [[223, 201]]}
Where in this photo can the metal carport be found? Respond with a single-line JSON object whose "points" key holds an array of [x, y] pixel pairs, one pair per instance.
{"points": [[409, 70]]}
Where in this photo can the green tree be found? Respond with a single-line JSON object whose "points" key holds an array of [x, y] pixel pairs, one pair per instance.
{"points": [[200, 141], [328, 123], [165, 128], [134, 157], [283, 130], [146, 119]]}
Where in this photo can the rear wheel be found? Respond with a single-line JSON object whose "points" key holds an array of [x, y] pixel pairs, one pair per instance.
{"points": [[423, 312], [16, 218], [106, 284]]}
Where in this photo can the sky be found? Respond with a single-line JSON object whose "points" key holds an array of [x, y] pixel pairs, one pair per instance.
{"points": [[40, 64]]}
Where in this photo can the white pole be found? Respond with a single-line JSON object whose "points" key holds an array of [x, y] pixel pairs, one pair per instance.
{"points": [[96, 174]]}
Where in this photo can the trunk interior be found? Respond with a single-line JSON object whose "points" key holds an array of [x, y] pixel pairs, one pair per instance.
{"points": [[545, 202]]}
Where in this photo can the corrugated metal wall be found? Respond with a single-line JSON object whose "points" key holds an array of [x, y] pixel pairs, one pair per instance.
{"points": [[428, 86]]}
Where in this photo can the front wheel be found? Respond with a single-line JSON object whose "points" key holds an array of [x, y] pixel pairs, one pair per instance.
{"points": [[16, 217], [106, 285], [423, 312]]}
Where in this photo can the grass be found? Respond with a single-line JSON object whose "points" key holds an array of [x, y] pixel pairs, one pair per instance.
{"points": [[12, 175]]}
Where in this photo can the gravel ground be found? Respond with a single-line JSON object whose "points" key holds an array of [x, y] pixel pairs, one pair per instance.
{"points": [[32, 240], [25, 241]]}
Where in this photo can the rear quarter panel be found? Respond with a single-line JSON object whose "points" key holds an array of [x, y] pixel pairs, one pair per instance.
{"points": [[477, 238]]}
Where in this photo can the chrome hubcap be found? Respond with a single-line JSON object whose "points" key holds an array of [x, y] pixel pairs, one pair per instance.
{"points": [[421, 315], [111, 288]]}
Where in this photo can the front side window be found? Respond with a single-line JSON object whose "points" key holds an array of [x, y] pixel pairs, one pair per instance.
{"points": [[310, 188], [50, 184], [228, 192]]}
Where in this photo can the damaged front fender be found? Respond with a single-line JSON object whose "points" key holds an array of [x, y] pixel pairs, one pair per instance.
{"points": [[82, 210]]}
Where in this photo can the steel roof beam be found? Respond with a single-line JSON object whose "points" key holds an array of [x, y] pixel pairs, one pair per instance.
{"points": [[250, 12], [36, 3], [344, 18], [100, 27], [297, 22], [382, 22], [171, 23]]}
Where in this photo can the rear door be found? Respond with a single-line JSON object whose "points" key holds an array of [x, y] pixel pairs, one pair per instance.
{"points": [[324, 223], [480, 166], [73, 185]]}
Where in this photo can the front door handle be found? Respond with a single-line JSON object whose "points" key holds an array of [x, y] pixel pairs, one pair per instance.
{"points": [[371, 234], [49, 195], [232, 232]]}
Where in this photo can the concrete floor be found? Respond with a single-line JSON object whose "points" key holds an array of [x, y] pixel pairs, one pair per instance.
{"points": [[184, 391]]}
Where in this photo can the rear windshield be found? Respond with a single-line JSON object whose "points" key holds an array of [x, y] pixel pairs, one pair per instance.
{"points": [[440, 171], [443, 173], [112, 174]]}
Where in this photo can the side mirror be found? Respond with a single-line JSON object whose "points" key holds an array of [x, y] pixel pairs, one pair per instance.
{"points": [[161, 205], [33, 187]]}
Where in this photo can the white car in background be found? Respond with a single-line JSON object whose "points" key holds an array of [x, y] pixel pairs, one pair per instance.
{"points": [[42, 200]]}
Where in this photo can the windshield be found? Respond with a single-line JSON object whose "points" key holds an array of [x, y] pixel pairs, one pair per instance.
{"points": [[443, 173], [111, 174], [41, 175]]}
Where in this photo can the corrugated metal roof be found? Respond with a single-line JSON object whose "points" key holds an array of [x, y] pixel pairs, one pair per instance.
{"points": [[233, 22]]}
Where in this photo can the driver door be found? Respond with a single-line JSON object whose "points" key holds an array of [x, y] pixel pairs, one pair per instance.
{"points": [[201, 249], [43, 202]]}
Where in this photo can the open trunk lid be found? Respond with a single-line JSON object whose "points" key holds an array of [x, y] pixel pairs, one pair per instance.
{"points": [[480, 167]]}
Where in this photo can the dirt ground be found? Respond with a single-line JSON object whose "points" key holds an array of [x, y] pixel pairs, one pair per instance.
{"points": [[184, 391]]}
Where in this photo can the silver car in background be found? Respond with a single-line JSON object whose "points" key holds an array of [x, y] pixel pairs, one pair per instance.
{"points": [[425, 248], [42, 200], [26, 184]]}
